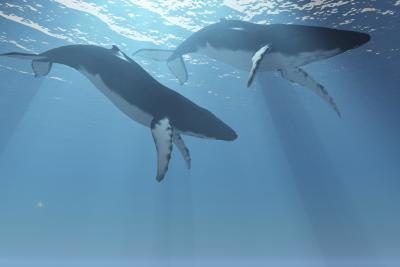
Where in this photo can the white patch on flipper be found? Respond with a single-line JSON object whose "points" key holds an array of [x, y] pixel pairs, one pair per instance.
{"points": [[162, 133], [41, 68], [131, 111], [256, 59], [178, 68], [299, 76], [178, 141]]}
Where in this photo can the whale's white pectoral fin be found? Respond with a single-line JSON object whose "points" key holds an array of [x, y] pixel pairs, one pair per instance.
{"points": [[162, 132], [299, 76], [256, 59], [154, 54], [178, 141], [41, 67], [178, 68]]}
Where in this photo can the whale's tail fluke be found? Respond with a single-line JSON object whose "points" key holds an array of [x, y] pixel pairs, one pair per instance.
{"points": [[175, 62], [154, 54], [41, 65]]}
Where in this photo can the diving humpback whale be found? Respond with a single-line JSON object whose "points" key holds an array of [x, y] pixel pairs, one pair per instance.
{"points": [[255, 47], [137, 94]]}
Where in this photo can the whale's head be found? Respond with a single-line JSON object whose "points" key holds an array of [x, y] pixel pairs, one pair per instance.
{"points": [[202, 123], [352, 39], [226, 133], [214, 128], [222, 132], [363, 38]]}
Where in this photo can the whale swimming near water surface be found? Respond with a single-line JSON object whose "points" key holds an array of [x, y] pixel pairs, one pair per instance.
{"points": [[137, 94], [258, 48]]}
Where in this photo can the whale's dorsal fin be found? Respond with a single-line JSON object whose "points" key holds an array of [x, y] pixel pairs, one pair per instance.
{"points": [[178, 141], [115, 48], [299, 76], [256, 59], [119, 53], [162, 132]]}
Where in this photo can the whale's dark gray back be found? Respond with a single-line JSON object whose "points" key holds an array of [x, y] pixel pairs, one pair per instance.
{"points": [[287, 39], [98, 60]]}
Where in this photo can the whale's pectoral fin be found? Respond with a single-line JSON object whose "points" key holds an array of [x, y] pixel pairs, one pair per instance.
{"points": [[299, 76], [178, 141], [154, 54], [41, 67], [256, 59], [162, 132]]}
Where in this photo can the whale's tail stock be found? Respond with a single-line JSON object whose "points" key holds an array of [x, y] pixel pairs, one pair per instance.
{"points": [[41, 65], [175, 62]]}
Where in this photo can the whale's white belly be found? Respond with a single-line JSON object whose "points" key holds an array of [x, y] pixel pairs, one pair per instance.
{"points": [[273, 61], [130, 110]]}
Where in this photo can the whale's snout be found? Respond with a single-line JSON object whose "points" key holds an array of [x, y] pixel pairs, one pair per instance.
{"points": [[229, 135], [224, 132], [363, 38], [351, 39]]}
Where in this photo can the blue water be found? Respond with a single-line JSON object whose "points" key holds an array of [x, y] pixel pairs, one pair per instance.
{"points": [[299, 187]]}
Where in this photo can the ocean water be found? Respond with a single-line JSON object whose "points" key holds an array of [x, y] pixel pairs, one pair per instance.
{"points": [[299, 187]]}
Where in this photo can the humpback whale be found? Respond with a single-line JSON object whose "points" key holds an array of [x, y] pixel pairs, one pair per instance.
{"points": [[258, 48], [138, 95]]}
